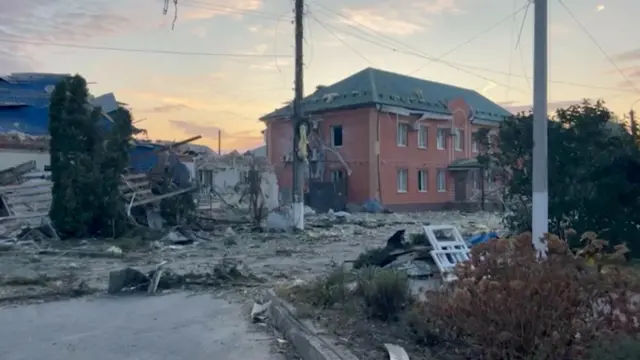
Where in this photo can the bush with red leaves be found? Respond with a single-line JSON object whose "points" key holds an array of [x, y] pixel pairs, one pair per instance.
{"points": [[508, 305]]}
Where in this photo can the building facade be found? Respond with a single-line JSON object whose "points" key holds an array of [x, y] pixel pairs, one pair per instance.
{"points": [[404, 141]]}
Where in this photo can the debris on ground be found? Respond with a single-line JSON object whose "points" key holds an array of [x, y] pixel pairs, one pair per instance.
{"points": [[259, 311], [396, 352], [228, 272]]}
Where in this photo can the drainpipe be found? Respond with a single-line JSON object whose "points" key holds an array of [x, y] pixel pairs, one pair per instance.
{"points": [[379, 190]]}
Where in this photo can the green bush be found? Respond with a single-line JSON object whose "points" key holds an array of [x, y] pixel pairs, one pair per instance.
{"points": [[385, 292], [372, 257], [326, 291]]}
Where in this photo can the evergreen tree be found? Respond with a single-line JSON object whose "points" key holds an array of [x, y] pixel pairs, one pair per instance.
{"points": [[87, 162]]}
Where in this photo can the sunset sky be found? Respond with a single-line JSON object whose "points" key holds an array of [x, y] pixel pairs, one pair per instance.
{"points": [[190, 91]]}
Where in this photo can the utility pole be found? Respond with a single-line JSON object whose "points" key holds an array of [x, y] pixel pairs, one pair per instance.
{"points": [[298, 122], [540, 183], [633, 125]]}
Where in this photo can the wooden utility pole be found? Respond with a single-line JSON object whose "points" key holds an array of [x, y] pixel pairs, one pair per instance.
{"points": [[298, 122]]}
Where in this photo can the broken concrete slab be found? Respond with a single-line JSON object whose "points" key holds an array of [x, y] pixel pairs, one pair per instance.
{"points": [[124, 279], [309, 342]]}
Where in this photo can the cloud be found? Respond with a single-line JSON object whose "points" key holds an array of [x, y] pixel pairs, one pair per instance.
{"points": [[383, 21], [202, 11], [558, 29], [390, 19], [166, 108], [241, 140], [600, 7], [437, 7], [72, 21], [551, 106], [630, 55], [271, 65], [54, 20]]}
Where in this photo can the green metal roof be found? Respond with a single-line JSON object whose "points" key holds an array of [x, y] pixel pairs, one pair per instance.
{"points": [[371, 87], [464, 164]]}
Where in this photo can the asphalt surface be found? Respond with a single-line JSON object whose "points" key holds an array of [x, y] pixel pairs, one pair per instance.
{"points": [[175, 326]]}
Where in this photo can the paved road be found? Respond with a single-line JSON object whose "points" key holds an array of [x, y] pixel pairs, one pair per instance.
{"points": [[171, 327]]}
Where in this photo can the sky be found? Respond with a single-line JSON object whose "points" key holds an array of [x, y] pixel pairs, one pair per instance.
{"points": [[222, 63]]}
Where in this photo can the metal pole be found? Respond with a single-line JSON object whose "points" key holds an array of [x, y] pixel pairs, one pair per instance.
{"points": [[298, 120], [219, 142], [540, 208]]}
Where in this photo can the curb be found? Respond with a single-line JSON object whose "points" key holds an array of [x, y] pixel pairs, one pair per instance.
{"points": [[309, 342]]}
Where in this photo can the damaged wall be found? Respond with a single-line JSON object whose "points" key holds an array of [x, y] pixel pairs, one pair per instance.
{"points": [[355, 125], [223, 181], [14, 157]]}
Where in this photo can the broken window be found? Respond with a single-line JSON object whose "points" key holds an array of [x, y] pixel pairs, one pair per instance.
{"points": [[440, 139], [441, 179], [402, 180], [474, 142], [337, 176], [403, 134], [422, 136], [422, 180], [336, 136]]}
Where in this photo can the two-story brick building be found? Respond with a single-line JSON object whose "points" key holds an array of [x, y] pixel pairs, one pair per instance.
{"points": [[405, 141]]}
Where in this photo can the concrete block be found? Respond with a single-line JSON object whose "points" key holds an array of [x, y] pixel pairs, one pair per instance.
{"points": [[309, 342]]}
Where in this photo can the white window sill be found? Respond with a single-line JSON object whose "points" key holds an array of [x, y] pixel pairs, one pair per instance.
{"points": [[440, 148], [422, 147], [441, 191], [402, 145], [459, 150], [402, 191], [422, 191]]}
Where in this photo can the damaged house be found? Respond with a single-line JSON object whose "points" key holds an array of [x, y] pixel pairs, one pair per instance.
{"points": [[403, 141]]}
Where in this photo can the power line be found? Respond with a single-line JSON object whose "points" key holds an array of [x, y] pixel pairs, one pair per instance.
{"points": [[461, 67], [145, 51], [593, 39], [341, 40], [420, 55], [473, 38]]}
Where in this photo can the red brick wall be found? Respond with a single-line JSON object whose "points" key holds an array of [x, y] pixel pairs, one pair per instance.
{"points": [[413, 158], [358, 150], [355, 149]]}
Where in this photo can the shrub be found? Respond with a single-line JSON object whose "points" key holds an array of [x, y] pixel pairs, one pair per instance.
{"points": [[326, 291], [372, 257], [507, 305], [385, 292]]}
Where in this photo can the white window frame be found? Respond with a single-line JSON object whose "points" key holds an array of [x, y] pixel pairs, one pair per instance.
{"points": [[337, 175], [423, 185], [423, 136], [441, 139], [402, 140], [402, 180], [441, 181], [333, 138], [457, 140]]}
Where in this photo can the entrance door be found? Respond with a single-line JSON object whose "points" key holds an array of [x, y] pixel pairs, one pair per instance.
{"points": [[460, 185]]}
